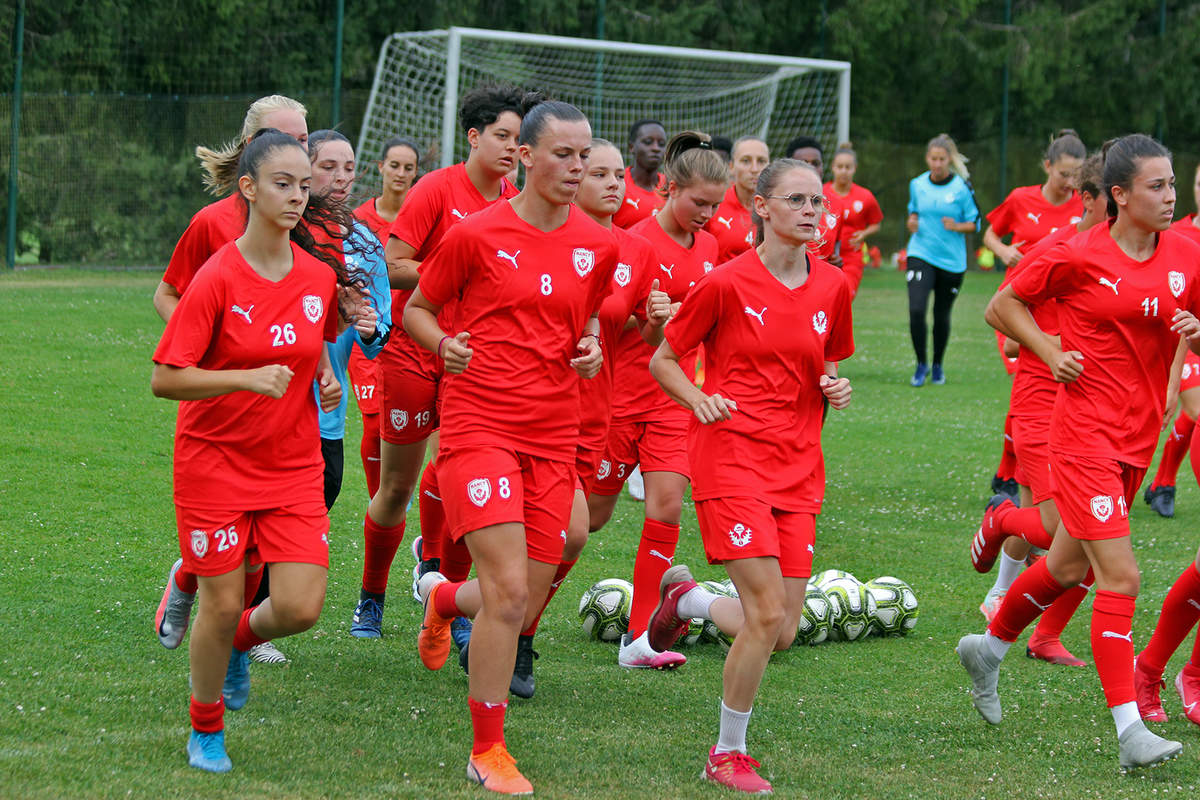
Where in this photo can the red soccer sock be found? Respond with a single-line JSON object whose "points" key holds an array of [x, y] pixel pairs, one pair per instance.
{"points": [[186, 581], [456, 560], [1194, 454], [1178, 443], [379, 551], [207, 717], [1034, 591], [245, 638], [1025, 523], [444, 599], [1180, 611], [1055, 620], [433, 514], [655, 553], [253, 581], [369, 452], [1008, 458], [1112, 645], [487, 723], [559, 575]]}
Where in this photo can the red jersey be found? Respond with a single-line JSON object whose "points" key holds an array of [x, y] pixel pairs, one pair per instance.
{"points": [[210, 229], [860, 210], [379, 226], [826, 244], [732, 227], [245, 451], [638, 203], [524, 296], [632, 279], [637, 396], [1187, 226], [764, 346], [1029, 216], [1117, 313]]}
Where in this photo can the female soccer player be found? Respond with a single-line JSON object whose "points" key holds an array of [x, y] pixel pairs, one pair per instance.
{"points": [[861, 215], [491, 118], [527, 276], [1126, 292], [643, 181], [648, 429], [244, 346], [1030, 409], [774, 322], [732, 224], [941, 210]]}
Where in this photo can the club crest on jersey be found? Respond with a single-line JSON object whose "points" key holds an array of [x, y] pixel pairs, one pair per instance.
{"points": [[739, 535], [623, 274], [708, 267], [820, 322], [1102, 507], [858, 206], [604, 470], [313, 307], [584, 260], [1175, 281], [199, 543], [399, 418], [479, 491]]}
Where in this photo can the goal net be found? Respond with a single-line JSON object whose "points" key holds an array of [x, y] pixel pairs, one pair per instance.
{"points": [[421, 75]]}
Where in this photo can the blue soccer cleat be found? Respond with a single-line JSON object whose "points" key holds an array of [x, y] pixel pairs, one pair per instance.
{"points": [[206, 751], [368, 620], [236, 690]]}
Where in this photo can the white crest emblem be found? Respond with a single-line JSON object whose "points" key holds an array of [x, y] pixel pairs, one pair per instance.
{"points": [[479, 491], [584, 260], [1102, 507], [313, 308], [820, 322], [623, 274], [604, 470], [1175, 281], [830, 221], [739, 534], [399, 418], [858, 206], [708, 267], [199, 543]]}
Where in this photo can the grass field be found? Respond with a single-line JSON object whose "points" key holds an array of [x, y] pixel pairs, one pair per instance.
{"points": [[92, 706]]}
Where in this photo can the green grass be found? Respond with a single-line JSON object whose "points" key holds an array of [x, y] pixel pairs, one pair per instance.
{"points": [[92, 706]]}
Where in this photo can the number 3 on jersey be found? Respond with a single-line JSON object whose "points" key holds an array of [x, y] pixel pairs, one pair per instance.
{"points": [[284, 334]]}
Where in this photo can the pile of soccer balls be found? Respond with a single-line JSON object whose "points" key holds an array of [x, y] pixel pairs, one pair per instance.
{"points": [[838, 607]]}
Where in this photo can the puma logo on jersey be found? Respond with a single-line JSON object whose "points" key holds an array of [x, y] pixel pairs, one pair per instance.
{"points": [[1029, 597], [728, 223], [1111, 285], [1035, 217], [245, 312], [668, 559], [667, 269], [758, 315], [458, 213], [632, 202], [1193, 603], [507, 257], [1114, 635], [1187, 709]]}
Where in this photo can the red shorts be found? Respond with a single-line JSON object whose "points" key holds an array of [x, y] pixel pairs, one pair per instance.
{"points": [[1031, 440], [364, 379], [484, 486], [216, 542], [586, 463], [657, 445], [742, 527], [1190, 378], [408, 394], [1093, 494]]}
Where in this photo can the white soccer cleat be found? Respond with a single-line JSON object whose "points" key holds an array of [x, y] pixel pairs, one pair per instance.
{"points": [[1141, 748], [973, 655], [638, 654], [174, 611], [267, 653]]}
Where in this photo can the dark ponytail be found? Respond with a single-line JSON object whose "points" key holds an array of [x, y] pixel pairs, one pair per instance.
{"points": [[1121, 162], [690, 159]]}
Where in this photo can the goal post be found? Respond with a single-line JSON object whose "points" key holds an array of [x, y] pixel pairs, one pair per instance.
{"points": [[420, 77]]}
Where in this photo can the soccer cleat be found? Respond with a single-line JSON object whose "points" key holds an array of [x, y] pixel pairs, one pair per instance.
{"points": [[236, 690], [638, 654], [1187, 683], [1051, 649], [991, 604], [522, 683], [422, 567], [496, 770], [267, 653], [985, 546], [1139, 747], [918, 378], [416, 548], [736, 771], [206, 751], [665, 626], [937, 377], [973, 655], [460, 632], [433, 641], [1161, 499], [368, 619], [1149, 699], [174, 611]]}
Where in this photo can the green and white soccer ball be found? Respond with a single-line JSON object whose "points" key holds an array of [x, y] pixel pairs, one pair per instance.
{"points": [[814, 622], [828, 576], [693, 635], [709, 632], [604, 609], [724, 588], [896, 606], [851, 609]]}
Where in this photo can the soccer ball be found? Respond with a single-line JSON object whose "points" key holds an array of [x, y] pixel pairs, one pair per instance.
{"points": [[709, 632], [819, 580], [693, 635], [851, 609], [896, 605], [723, 588], [814, 622], [604, 609]]}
